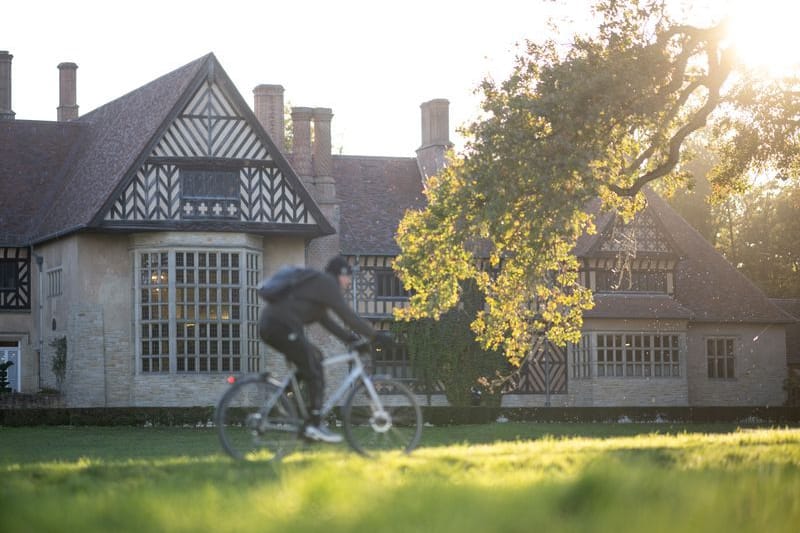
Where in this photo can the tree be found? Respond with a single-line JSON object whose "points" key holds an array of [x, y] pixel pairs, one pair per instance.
{"points": [[765, 232], [58, 364], [693, 202], [445, 351], [602, 118]]}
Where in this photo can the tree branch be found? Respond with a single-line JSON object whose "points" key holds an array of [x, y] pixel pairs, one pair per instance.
{"points": [[718, 70]]}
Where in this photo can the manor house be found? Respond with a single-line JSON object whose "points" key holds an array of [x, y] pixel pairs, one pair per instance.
{"points": [[140, 230]]}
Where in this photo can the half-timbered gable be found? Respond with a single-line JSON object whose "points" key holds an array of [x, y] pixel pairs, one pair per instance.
{"points": [[638, 256], [152, 220], [214, 164]]}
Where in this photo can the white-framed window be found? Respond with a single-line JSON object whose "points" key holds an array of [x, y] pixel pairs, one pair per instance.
{"points": [[721, 357], [197, 310]]}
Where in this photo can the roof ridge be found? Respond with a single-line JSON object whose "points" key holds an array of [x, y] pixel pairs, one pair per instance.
{"points": [[145, 85]]}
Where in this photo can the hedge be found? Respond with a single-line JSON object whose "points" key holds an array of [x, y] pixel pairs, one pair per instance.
{"points": [[438, 416]]}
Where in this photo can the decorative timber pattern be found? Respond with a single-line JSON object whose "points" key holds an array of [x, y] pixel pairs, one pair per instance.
{"points": [[545, 368], [267, 197], [15, 279], [210, 128], [364, 286], [641, 235], [154, 194]]}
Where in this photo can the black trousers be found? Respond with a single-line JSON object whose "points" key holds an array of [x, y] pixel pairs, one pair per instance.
{"points": [[295, 346]]}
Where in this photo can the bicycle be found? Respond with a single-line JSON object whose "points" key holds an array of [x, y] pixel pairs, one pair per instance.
{"points": [[262, 417]]}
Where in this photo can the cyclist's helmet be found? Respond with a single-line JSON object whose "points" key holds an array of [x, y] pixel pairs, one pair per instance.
{"points": [[338, 266]]}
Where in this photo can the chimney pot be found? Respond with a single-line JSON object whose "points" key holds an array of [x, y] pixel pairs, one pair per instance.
{"points": [[67, 92], [5, 86], [268, 105]]}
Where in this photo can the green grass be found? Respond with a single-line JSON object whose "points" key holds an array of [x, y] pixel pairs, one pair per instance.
{"points": [[496, 477]]}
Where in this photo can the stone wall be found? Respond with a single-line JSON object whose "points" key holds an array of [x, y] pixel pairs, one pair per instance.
{"points": [[85, 382], [760, 365]]}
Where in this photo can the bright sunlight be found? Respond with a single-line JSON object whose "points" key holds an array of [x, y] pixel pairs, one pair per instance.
{"points": [[764, 34]]}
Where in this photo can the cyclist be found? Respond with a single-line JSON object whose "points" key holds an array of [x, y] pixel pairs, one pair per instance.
{"points": [[311, 301]]}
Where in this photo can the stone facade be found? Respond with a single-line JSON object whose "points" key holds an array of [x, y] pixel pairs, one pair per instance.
{"points": [[302, 208], [760, 365]]}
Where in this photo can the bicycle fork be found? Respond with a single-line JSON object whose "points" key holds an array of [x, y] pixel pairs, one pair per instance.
{"points": [[380, 419]]}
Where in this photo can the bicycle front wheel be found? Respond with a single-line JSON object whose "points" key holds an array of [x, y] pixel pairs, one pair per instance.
{"points": [[392, 423], [256, 421]]}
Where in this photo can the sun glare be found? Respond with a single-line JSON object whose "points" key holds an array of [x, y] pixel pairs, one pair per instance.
{"points": [[765, 34]]}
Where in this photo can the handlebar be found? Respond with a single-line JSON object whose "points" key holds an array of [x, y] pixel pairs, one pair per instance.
{"points": [[361, 345]]}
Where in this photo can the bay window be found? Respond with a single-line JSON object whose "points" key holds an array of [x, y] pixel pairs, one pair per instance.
{"points": [[197, 310]]}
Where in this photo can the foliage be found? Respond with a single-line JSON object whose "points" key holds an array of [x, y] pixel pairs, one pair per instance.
{"points": [[498, 477], [762, 238], [444, 351], [603, 118], [757, 230], [5, 385], [693, 202], [58, 364]]}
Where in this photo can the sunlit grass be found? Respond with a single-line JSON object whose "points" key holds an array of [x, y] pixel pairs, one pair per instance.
{"points": [[563, 478]]}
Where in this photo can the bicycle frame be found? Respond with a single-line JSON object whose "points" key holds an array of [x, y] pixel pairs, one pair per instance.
{"points": [[356, 372], [264, 411]]}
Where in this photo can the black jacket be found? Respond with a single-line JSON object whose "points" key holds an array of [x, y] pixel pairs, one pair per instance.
{"points": [[311, 301]]}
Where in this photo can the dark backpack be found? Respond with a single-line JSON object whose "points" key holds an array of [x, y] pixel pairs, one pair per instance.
{"points": [[280, 284]]}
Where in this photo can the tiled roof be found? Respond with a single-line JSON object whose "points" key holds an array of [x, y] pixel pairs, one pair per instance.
{"points": [[706, 282], [57, 177], [32, 156], [375, 192], [118, 132], [632, 305]]}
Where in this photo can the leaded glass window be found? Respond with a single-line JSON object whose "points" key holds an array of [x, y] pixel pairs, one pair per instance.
{"points": [[198, 311], [637, 355]]}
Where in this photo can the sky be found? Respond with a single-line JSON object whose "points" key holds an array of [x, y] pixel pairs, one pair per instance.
{"points": [[372, 62]]}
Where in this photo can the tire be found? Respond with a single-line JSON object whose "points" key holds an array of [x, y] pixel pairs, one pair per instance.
{"points": [[248, 429], [368, 431]]}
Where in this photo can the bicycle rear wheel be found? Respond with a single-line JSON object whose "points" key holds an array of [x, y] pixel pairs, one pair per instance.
{"points": [[256, 421], [394, 425]]}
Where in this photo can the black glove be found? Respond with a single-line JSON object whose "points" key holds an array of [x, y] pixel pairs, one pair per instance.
{"points": [[384, 340]]}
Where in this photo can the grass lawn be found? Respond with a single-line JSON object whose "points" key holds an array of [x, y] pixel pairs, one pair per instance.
{"points": [[498, 477]]}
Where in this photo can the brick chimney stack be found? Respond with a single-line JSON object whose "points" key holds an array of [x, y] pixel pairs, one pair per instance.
{"points": [[5, 86], [322, 160], [268, 105], [67, 92], [321, 249], [435, 136], [301, 144]]}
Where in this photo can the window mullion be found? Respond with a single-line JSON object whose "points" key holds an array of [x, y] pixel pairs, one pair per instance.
{"points": [[173, 328], [137, 313]]}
